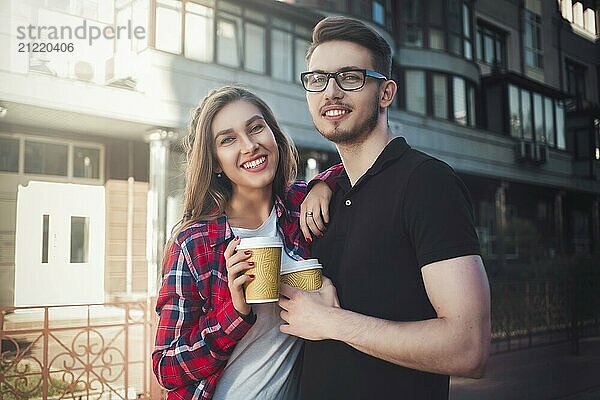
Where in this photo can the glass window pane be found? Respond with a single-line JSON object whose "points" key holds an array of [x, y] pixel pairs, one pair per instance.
{"points": [[9, 155], [300, 57], [560, 126], [228, 42], [79, 239], [538, 118], [414, 22], [199, 37], [168, 26], [468, 49], [436, 39], [466, 21], [526, 114], [45, 235], [514, 106], [46, 158], [254, 51], [459, 100], [86, 163], [415, 91], [440, 96], [499, 55], [140, 18], [488, 45], [479, 46], [281, 55], [472, 111], [549, 117], [378, 13], [454, 44]]}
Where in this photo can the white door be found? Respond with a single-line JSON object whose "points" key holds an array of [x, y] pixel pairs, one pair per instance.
{"points": [[59, 244]]}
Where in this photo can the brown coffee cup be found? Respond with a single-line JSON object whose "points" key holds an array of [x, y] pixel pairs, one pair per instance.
{"points": [[305, 274], [266, 255]]}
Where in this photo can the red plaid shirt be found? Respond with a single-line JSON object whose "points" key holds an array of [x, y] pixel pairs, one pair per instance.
{"points": [[198, 326]]}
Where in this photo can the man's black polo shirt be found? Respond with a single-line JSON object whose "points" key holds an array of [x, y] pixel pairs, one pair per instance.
{"points": [[407, 211]]}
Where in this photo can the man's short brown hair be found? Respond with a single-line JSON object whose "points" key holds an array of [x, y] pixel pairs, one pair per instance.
{"points": [[355, 31]]}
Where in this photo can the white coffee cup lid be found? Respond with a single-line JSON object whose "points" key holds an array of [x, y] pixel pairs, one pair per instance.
{"points": [[259, 242], [300, 266]]}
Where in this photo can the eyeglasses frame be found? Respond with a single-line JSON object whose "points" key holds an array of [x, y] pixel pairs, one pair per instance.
{"points": [[367, 73]]}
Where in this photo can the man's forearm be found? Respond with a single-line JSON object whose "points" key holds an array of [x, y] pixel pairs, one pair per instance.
{"points": [[437, 345]]}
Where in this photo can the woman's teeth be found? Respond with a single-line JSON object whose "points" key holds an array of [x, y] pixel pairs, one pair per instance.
{"points": [[254, 163]]}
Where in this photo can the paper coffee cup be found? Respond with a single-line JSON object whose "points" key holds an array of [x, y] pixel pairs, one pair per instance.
{"points": [[305, 274], [266, 255]]}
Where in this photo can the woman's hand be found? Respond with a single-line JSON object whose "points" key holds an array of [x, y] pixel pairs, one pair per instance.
{"points": [[236, 264], [314, 211]]}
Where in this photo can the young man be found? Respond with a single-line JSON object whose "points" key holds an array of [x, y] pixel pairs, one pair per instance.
{"points": [[400, 248]]}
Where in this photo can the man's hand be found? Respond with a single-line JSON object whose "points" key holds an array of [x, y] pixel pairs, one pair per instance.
{"points": [[314, 211], [308, 314]]}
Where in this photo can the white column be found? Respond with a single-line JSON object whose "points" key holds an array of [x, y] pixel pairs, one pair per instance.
{"points": [[159, 141]]}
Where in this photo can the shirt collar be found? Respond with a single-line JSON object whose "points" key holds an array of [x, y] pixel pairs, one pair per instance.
{"points": [[392, 151], [224, 231]]}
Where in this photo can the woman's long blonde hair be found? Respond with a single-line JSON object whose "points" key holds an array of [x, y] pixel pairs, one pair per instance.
{"points": [[206, 195]]}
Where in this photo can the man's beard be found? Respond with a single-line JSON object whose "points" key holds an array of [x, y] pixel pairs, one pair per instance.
{"points": [[358, 133]]}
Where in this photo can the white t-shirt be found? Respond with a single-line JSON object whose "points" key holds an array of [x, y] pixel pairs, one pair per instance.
{"points": [[262, 363]]}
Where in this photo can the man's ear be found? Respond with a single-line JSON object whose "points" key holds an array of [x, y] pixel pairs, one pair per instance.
{"points": [[388, 92]]}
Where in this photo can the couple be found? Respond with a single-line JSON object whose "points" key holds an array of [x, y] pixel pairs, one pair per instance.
{"points": [[407, 302]]}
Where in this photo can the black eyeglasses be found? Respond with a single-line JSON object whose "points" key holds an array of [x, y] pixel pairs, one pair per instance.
{"points": [[353, 79]]}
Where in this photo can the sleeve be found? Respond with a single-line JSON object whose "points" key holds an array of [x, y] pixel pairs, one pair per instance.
{"points": [[438, 214], [192, 342], [328, 176]]}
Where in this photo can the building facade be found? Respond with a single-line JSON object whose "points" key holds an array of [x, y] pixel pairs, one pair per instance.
{"points": [[505, 91]]}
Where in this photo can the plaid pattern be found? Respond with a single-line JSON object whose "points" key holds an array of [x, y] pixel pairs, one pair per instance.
{"points": [[198, 326]]}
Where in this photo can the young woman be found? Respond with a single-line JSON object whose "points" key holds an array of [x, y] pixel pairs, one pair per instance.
{"points": [[209, 341]]}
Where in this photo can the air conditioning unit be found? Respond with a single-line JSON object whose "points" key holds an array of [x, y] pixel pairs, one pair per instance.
{"points": [[524, 150], [120, 70], [540, 153]]}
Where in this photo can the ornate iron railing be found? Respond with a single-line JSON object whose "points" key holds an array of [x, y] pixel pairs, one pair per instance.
{"points": [[91, 351], [530, 313]]}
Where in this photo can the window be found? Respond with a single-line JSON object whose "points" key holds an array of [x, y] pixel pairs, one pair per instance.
{"points": [[549, 121], [459, 100], [576, 83], [459, 29], [437, 40], [254, 55], [538, 118], [300, 46], [79, 239], [514, 105], [560, 126], [491, 46], [414, 20], [440, 96], [86, 163], [9, 155], [228, 39], [583, 16], [45, 158], [281, 55], [168, 26], [533, 40], [415, 91], [199, 39], [378, 13], [535, 117], [526, 115]]}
